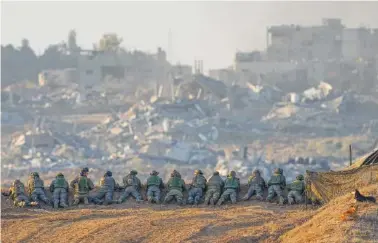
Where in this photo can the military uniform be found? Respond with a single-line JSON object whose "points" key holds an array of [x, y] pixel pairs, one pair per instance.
{"points": [[232, 187], [36, 188], [296, 190], [176, 186], [17, 194], [256, 185], [107, 187], [214, 189], [132, 187], [59, 188], [154, 186], [277, 184], [82, 185], [197, 187]]}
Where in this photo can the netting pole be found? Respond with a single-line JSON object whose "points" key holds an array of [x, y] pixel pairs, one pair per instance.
{"points": [[350, 154]]}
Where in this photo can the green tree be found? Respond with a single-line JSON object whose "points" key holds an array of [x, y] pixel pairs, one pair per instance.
{"points": [[109, 42]]}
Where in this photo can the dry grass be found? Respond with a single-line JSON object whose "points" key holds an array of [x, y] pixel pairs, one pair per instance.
{"points": [[247, 222], [326, 225]]}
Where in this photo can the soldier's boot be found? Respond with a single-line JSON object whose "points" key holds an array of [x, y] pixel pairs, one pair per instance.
{"points": [[138, 200], [106, 202], [197, 200], [56, 205], [63, 205], [76, 202], [86, 201], [220, 202], [259, 197], [206, 201], [157, 200], [245, 198], [290, 201], [180, 202], [212, 202], [150, 200], [281, 201]]}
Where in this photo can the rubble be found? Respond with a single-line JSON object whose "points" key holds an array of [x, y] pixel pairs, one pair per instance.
{"points": [[183, 132]]}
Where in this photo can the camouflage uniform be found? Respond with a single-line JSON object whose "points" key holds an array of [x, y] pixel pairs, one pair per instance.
{"points": [[296, 190], [82, 185], [197, 187], [36, 188], [232, 187], [277, 184], [107, 187], [214, 188], [17, 194], [256, 185], [59, 188], [176, 186], [154, 186], [132, 187]]}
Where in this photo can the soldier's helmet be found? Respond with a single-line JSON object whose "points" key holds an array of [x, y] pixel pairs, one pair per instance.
{"points": [[154, 172], [85, 169], [108, 173], [300, 177], [36, 174], [60, 175], [215, 173], [256, 172], [133, 172], [175, 173], [281, 171], [198, 172], [232, 173], [16, 182]]}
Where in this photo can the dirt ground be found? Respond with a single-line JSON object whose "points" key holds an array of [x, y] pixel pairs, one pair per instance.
{"points": [[362, 229], [130, 222], [251, 221]]}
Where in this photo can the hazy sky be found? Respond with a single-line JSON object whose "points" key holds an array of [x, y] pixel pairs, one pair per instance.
{"points": [[211, 31]]}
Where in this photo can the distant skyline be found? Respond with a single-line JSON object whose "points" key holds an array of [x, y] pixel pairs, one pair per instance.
{"points": [[208, 31]]}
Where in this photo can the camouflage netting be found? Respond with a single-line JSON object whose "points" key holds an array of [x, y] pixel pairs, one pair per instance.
{"points": [[326, 185]]}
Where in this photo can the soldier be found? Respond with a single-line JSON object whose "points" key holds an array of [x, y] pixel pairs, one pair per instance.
{"points": [[82, 185], [277, 184], [59, 188], [36, 188], [296, 190], [214, 188], [107, 187], [17, 194], [197, 187], [176, 186], [154, 185], [132, 187], [232, 187], [256, 185]]}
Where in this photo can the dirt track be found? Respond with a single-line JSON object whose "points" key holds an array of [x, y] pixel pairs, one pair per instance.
{"points": [[130, 222]]}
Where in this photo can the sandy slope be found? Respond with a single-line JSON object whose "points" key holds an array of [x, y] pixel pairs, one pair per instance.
{"points": [[326, 225], [130, 222]]}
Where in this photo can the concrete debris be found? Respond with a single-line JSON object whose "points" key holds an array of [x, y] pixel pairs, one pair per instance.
{"points": [[119, 127]]}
